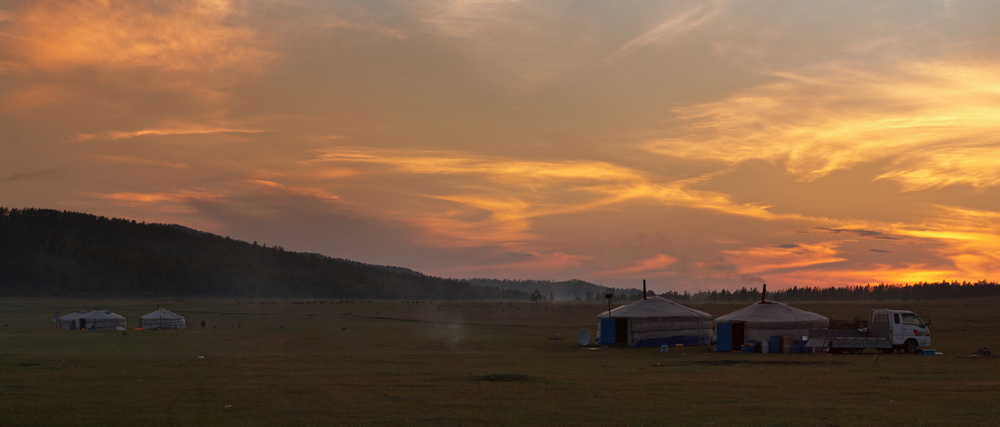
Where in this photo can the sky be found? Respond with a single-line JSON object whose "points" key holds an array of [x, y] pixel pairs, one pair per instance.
{"points": [[693, 144]]}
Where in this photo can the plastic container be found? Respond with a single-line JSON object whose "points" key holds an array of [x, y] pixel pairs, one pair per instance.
{"points": [[928, 352], [775, 343], [764, 347], [748, 348]]}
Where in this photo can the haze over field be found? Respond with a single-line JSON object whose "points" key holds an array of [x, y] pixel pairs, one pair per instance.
{"points": [[695, 144]]}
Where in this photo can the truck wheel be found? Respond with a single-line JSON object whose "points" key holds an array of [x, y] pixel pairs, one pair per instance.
{"points": [[910, 346]]}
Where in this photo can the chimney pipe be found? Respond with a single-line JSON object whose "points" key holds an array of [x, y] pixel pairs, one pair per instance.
{"points": [[643, 288], [763, 294]]}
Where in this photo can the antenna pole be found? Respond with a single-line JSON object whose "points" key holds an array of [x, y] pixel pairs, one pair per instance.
{"points": [[643, 288], [763, 294]]}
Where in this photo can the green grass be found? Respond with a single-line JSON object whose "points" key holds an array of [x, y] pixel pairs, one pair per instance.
{"points": [[392, 363]]}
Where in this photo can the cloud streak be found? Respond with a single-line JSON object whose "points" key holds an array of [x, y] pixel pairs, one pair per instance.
{"points": [[670, 30], [935, 121], [191, 130]]}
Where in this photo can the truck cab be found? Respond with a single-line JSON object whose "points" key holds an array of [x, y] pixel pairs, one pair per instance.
{"points": [[906, 330]]}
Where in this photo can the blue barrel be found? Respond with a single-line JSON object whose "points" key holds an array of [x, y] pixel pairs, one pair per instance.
{"points": [[747, 348], [774, 342]]}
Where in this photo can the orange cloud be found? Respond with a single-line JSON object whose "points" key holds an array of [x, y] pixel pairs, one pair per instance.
{"points": [[937, 121], [971, 239], [314, 193], [190, 46], [188, 130], [761, 260], [116, 34], [650, 265], [497, 199], [175, 201]]}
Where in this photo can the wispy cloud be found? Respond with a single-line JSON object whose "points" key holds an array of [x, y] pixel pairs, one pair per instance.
{"points": [[868, 234], [179, 35], [194, 47], [970, 238], [935, 121], [142, 161], [190, 130], [498, 199], [762, 260], [532, 41], [178, 201], [656, 265], [314, 193], [671, 29]]}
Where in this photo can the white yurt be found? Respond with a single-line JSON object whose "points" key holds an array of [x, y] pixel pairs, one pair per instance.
{"points": [[653, 322], [162, 319], [69, 321], [760, 321], [101, 319]]}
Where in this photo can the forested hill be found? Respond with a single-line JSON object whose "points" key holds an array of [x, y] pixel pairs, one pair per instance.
{"points": [[56, 253], [568, 290]]}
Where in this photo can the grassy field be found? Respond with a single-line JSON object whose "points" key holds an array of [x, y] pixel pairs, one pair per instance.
{"points": [[478, 363]]}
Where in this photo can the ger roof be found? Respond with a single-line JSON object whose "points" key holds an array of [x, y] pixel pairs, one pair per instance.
{"points": [[101, 314], [73, 315], [656, 307], [775, 315], [162, 314]]}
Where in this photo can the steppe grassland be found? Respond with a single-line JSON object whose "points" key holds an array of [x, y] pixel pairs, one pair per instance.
{"points": [[276, 362]]}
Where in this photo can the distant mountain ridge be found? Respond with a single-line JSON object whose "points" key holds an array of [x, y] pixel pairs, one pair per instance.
{"points": [[47, 252]]}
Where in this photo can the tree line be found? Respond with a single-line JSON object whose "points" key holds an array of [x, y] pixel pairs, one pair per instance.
{"points": [[881, 291], [47, 252]]}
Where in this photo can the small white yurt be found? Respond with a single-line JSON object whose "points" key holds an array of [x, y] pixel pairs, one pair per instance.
{"points": [[162, 319], [653, 322], [760, 321], [101, 319], [69, 321]]}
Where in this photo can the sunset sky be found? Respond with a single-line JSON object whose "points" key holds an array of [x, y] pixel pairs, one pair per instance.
{"points": [[694, 144]]}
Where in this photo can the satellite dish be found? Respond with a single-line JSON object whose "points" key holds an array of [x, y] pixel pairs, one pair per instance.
{"points": [[583, 337]]}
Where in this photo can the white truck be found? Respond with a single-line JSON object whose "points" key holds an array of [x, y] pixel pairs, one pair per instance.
{"points": [[887, 331]]}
